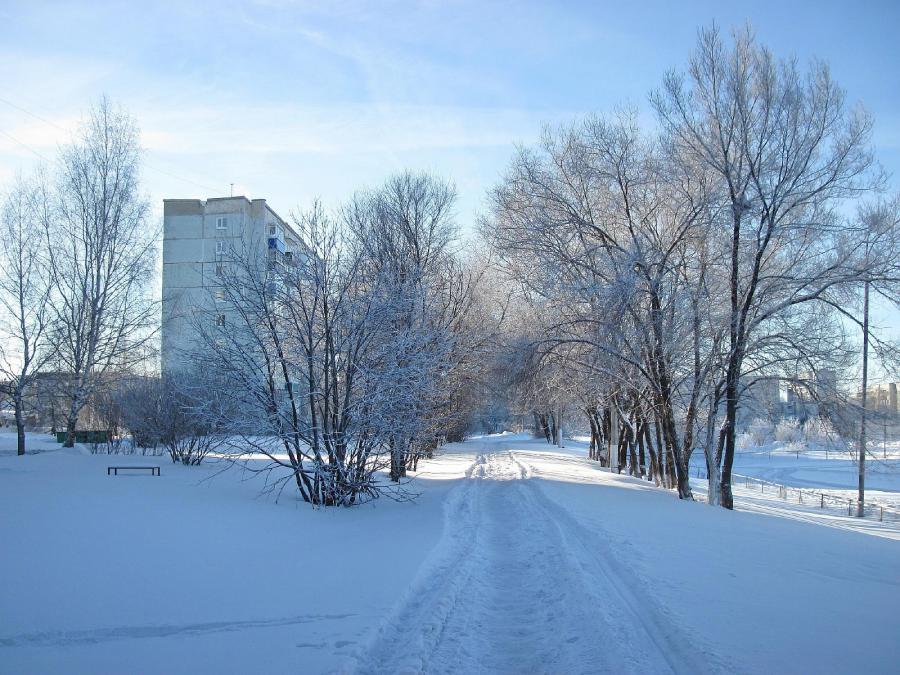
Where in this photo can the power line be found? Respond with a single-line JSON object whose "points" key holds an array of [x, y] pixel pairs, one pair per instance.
{"points": [[34, 115], [57, 126], [24, 145]]}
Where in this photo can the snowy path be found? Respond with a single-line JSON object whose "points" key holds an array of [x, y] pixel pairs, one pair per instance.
{"points": [[516, 586]]}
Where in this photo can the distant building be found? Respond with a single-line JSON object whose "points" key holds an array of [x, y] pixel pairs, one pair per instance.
{"points": [[799, 397], [881, 397], [762, 398], [806, 392], [198, 239]]}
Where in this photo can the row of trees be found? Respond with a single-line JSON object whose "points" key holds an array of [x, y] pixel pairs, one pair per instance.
{"points": [[77, 258], [647, 279], [665, 272]]}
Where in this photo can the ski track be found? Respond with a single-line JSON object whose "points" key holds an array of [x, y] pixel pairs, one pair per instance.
{"points": [[518, 585], [68, 638]]}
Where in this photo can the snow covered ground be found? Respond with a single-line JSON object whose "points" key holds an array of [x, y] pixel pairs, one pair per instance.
{"points": [[516, 558], [834, 472]]}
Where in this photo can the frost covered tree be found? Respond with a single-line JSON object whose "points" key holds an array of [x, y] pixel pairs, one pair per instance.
{"points": [[25, 324], [597, 229], [341, 361], [785, 151], [406, 234], [293, 352], [177, 414], [674, 272], [100, 252]]}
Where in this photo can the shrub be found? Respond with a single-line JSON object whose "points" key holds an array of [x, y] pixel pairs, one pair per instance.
{"points": [[169, 414], [761, 431], [788, 431]]}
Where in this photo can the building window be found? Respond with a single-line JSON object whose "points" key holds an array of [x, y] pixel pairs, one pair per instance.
{"points": [[273, 231], [219, 294], [221, 223], [220, 247], [220, 269], [220, 320]]}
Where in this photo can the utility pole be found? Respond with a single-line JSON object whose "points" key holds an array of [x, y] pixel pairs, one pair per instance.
{"points": [[861, 498], [613, 437]]}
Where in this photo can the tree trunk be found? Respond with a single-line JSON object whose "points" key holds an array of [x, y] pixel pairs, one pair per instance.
{"points": [[640, 443], [654, 473], [545, 427], [592, 448], [20, 425], [634, 470], [398, 461], [713, 483], [71, 421], [733, 367], [661, 456], [726, 498], [712, 448], [554, 431], [398, 466]]}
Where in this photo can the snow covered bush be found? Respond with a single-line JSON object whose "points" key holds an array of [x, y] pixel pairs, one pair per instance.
{"points": [[761, 431], [191, 408], [173, 415], [139, 400], [820, 431], [788, 431], [344, 362], [109, 417]]}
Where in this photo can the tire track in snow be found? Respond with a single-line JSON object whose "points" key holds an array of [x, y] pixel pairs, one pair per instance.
{"points": [[433, 594], [652, 624], [517, 586]]}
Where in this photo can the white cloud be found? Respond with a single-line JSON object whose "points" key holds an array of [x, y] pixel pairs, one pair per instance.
{"points": [[336, 130]]}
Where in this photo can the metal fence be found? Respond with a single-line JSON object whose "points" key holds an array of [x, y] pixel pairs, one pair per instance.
{"points": [[813, 498]]}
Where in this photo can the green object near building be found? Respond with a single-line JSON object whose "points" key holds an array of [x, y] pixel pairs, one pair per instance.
{"points": [[84, 436]]}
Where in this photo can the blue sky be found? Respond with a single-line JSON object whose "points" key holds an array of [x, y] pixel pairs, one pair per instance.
{"points": [[290, 101]]}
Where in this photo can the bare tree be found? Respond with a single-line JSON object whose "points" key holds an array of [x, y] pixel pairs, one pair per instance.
{"points": [[298, 352], [405, 232], [343, 359], [785, 150], [24, 294], [682, 271], [177, 414], [101, 251], [604, 240]]}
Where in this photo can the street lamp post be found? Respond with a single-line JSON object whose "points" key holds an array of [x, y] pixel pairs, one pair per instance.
{"points": [[861, 497]]}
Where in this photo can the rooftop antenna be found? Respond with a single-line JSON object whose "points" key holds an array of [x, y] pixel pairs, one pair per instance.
{"points": [[232, 190]]}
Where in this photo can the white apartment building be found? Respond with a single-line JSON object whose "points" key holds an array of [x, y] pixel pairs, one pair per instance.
{"points": [[198, 237]]}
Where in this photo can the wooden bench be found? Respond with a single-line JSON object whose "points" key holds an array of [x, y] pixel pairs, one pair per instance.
{"points": [[114, 470]]}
